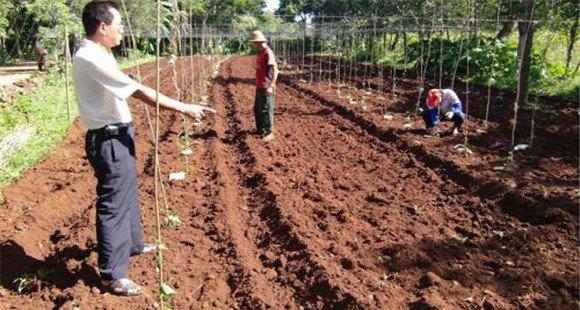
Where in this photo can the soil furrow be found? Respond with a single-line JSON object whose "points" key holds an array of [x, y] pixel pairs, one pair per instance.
{"points": [[281, 248]]}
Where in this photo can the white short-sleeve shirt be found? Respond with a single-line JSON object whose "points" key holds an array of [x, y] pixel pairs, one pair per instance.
{"points": [[449, 98], [101, 88]]}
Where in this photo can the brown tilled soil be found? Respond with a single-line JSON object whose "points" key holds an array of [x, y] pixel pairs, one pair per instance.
{"points": [[344, 209]]}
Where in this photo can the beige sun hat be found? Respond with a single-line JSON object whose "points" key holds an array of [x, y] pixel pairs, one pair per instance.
{"points": [[257, 36]]}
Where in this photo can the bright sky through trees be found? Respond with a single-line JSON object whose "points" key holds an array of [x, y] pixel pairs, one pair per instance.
{"points": [[272, 5]]}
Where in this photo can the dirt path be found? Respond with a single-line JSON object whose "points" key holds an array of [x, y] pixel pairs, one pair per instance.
{"points": [[339, 211], [12, 74]]}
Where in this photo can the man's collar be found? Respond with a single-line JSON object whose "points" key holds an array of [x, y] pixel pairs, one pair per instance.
{"points": [[93, 44]]}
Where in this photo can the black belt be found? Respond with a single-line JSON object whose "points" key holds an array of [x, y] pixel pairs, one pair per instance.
{"points": [[112, 130]]}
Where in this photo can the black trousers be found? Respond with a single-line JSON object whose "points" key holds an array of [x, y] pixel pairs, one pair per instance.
{"points": [[119, 232]]}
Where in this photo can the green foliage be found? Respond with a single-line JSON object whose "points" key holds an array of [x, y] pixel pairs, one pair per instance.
{"points": [[245, 22], [51, 17], [495, 65], [46, 110], [8, 119], [5, 7]]}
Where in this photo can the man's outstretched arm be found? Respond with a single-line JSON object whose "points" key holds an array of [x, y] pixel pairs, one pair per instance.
{"points": [[149, 96]]}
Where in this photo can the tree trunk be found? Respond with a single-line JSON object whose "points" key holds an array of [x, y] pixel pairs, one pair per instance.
{"points": [[506, 29], [17, 42], [571, 41], [203, 36], [404, 53], [405, 43], [526, 30], [395, 41], [526, 36]]}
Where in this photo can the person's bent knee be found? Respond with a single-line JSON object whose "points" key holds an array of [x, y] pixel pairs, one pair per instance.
{"points": [[458, 119]]}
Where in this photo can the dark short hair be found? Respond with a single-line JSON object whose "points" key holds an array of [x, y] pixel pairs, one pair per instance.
{"points": [[97, 12]]}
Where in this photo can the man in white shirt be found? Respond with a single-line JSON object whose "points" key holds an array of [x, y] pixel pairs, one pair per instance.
{"points": [[101, 92]]}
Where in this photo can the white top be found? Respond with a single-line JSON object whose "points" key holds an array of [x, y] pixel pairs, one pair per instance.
{"points": [[449, 98], [101, 88]]}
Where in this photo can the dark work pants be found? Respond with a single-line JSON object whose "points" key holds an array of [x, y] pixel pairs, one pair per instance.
{"points": [[119, 231], [264, 111], [431, 119]]}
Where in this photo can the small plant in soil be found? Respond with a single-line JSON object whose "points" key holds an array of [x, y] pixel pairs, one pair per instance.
{"points": [[167, 292], [507, 163], [388, 117], [184, 142], [25, 283], [190, 169], [417, 209], [383, 259], [172, 220], [536, 286], [408, 123], [509, 160], [364, 105], [463, 148], [386, 276], [499, 233]]}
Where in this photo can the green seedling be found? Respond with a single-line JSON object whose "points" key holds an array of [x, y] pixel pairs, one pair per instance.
{"points": [[167, 292], [463, 149], [173, 220], [417, 209], [407, 123], [501, 234], [25, 282], [184, 142], [364, 106], [383, 259], [507, 163], [509, 160], [186, 152], [536, 286], [386, 276], [191, 169]]}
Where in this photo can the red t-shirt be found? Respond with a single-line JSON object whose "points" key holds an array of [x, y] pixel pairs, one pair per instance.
{"points": [[264, 68]]}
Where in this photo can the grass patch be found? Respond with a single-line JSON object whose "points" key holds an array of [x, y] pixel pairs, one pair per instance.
{"points": [[44, 108]]}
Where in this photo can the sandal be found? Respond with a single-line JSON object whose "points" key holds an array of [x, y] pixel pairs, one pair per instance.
{"points": [[123, 287]]}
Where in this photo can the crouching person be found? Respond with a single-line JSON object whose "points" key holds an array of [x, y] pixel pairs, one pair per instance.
{"points": [[446, 103]]}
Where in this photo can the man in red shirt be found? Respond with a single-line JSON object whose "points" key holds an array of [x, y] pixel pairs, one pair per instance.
{"points": [[266, 76]]}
